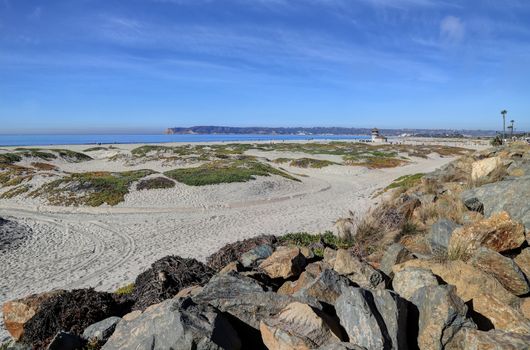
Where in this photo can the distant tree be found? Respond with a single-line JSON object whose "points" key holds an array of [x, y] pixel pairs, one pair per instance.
{"points": [[496, 141]]}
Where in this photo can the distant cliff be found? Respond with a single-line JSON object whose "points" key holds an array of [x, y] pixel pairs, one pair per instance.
{"points": [[321, 131]]}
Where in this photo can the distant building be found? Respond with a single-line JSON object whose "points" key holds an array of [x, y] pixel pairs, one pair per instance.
{"points": [[376, 137]]}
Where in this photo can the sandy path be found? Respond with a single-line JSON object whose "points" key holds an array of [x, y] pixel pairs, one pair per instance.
{"points": [[107, 247]]}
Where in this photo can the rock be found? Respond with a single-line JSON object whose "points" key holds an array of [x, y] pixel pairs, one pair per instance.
{"points": [[440, 234], [470, 282], [407, 281], [525, 307], [502, 268], [233, 251], [233, 266], [373, 319], [102, 330], [474, 204], [188, 292], [484, 167], [175, 324], [12, 345], [468, 338], [330, 255], [131, 315], [254, 256], [17, 312], [166, 277], [499, 233], [66, 341], [325, 287], [341, 346], [395, 254], [359, 272], [502, 316], [243, 298], [285, 262], [523, 261], [441, 315], [510, 195], [298, 326]]}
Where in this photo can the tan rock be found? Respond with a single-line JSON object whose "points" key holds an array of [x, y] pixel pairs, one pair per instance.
{"points": [[523, 261], [502, 268], [132, 315], [470, 282], [484, 167], [188, 292], [359, 272], [291, 287], [299, 327], [234, 266], [473, 339], [502, 316], [499, 233], [330, 255], [285, 262], [407, 281], [17, 312], [525, 307]]}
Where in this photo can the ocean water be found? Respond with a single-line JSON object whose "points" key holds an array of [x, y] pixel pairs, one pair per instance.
{"points": [[46, 140]]}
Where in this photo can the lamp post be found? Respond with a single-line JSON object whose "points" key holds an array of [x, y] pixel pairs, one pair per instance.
{"points": [[504, 112], [511, 127]]}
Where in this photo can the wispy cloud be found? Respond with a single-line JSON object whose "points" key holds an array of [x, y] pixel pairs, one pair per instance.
{"points": [[452, 29]]}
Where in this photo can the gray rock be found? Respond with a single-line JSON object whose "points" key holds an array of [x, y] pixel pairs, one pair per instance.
{"points": [[254, 256], [66, 341], [510, 195], [175, 324], [102, 330], [358, 271], [373, 319], [441, 315], [244, 298], [12, 345], [395, 254], [474, 204], [407, 281], [440, 234], [326, 287]]}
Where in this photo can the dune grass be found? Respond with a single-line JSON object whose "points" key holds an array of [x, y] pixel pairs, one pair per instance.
{"points": [[92, 188], [9, 158], [155, 183], [218, 172], [305, 239], [405, 182]]}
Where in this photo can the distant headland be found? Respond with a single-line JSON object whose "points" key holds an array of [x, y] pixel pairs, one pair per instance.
{"points": [[325, 131]]}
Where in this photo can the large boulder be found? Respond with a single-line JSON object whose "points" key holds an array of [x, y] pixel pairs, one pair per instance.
{"points": [[72, 312], [285, 262], [177, 324], [341, 346], [299, 326], [498, 232], [407, 281], [358, 271], [17, 312], [502, 268], [233, 251], [440, 234], [243, 298], [441, 315], [166, 277], [525, 307], [394, 254], [523, 261], [510, 195], [470, 281], [502, 316], [484, 167], [469, 338], [66, 341], [373, 319], [325, 287]]}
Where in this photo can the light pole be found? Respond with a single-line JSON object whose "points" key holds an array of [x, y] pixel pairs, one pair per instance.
{"points": [[503, 112], [511, 127]]}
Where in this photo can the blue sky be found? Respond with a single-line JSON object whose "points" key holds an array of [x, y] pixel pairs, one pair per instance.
{"points": [[151, 64]]}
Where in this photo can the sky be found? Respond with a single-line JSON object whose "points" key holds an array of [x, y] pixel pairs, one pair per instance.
{"points": [[145, 65]]}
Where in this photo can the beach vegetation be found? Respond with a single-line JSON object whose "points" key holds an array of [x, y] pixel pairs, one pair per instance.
{"points": [[125, 290], [9, 158], [304, 239], [15, 191], [91, 188], [155, 183], [405, 182], [43, 166], [93, 149], [225, 171], [14, 175]]}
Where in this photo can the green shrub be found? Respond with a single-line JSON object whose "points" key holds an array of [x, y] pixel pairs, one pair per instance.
{"points": [[125, 290], [9, 158], [405, 182], [311, 163], [155, 183]]}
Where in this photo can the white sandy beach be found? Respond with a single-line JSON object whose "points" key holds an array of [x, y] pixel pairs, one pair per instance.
{"points": [[107, 247]]}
